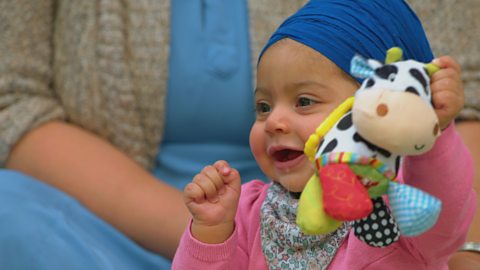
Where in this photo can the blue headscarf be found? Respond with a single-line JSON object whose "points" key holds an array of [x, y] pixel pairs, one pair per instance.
{"points": [[339, 29]]}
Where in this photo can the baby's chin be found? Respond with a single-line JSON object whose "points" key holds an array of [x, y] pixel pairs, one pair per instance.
{"points": [[294, 191], [294, 181], [296, 187]]}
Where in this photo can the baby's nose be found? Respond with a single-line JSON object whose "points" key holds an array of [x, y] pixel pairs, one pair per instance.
{"points": [[277, 121]]}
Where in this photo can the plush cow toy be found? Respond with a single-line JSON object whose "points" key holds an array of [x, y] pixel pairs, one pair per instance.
{"points": [[357, 153]]}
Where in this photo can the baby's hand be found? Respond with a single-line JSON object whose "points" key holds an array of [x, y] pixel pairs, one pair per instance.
{"points": [[212, 199], [447, 90]]}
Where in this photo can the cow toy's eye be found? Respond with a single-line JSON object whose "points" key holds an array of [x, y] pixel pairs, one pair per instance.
{"points": [[392, 77], [386, 71], [412, 90], [370, 83]]}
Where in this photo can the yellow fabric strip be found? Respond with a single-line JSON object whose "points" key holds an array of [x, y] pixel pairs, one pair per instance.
{"points": [[313, 141]]}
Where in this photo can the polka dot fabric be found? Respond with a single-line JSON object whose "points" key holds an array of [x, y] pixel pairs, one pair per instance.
{"points": [[379, 229]]}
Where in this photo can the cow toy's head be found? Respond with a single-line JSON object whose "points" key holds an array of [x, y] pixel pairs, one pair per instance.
{"points": [[393, 107], [357, 153]]}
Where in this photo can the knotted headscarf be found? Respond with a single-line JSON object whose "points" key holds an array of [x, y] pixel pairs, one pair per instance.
{"points": [[339, 29]]}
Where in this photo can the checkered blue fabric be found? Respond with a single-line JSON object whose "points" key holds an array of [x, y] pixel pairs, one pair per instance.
{"points": [[414, 210], [360, 68]]}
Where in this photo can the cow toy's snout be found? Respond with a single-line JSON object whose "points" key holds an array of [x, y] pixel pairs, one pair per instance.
{"points": [[400, 122]]}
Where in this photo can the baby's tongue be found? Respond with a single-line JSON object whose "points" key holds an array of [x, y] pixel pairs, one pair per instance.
{"points": [[287, 154]]}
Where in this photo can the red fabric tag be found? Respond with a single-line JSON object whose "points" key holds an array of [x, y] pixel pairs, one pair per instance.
{"points": [[344, 196]]}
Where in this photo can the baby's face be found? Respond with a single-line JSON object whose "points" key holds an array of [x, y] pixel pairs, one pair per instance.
{"points": [[297, 88]]}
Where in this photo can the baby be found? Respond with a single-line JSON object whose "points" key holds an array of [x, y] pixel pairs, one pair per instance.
{"points": [[303, 75]]}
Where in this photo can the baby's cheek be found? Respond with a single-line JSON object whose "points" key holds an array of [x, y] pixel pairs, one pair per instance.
{"points": [[263, 160], [258, 148], [257, 145]]}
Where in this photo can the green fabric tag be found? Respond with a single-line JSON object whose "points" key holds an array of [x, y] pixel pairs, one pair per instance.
{"points": [[373, 175]]}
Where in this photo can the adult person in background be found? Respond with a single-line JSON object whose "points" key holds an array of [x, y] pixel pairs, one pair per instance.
{"points": [[452, 28], [106, 108]]}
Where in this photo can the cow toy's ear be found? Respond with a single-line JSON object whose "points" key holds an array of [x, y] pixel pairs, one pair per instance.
{"points": [[431, 68], [394, 54], [360, 68]]}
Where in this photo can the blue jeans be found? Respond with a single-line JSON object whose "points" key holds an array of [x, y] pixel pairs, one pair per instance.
{"points": [[43, 228]]}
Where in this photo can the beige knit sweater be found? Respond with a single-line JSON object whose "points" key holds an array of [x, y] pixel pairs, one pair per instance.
{"points": [[100, 64]]}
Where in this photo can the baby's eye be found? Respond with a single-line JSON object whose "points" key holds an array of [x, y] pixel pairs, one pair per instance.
{"points": [[304, 101], [262, 107]]}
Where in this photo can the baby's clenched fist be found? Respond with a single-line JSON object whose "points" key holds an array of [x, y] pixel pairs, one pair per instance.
{"points": [[212, 199]]}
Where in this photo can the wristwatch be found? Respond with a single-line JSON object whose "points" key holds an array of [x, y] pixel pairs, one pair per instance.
{"points": [[470, 246]]}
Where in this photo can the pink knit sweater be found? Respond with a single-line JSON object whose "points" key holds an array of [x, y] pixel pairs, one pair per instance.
{"points": [[445, 172]]}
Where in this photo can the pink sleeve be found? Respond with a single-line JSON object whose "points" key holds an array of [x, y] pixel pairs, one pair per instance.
{"points": [[445, 172], [234, 252], [193, 254]]}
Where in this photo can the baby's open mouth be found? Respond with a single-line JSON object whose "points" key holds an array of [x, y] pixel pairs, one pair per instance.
{"points": [[286, 155]]}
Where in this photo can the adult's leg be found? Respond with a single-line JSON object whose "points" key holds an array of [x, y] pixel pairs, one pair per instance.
{"points": [[43, 228]]}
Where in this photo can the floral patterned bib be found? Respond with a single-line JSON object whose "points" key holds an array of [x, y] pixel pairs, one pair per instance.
{"points": [[283, 243]]}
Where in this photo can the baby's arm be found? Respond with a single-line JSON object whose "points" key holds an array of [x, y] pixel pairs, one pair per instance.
{"points": [[212, 199], [446, 171]]}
